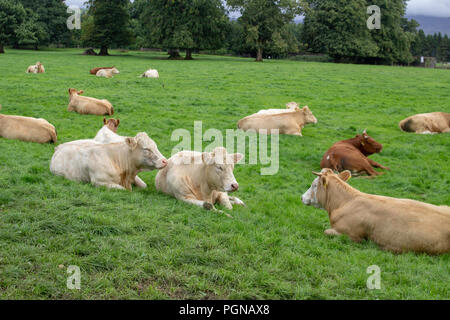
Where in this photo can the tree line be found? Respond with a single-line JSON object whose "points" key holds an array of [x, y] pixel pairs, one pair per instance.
{"points": [[263, 28]]}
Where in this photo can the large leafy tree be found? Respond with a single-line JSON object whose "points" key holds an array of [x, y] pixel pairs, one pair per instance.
{"points": [[12, 15], [264, 21], [50, 19], [110, 24], [180, 24]]}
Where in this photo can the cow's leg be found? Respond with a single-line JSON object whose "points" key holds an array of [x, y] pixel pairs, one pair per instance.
{"points": [[332, 232], [108, 185], [236, 201], [138, 182], [377, 165], [223, 199], [446, 130], [202, 204], [368, 168]]}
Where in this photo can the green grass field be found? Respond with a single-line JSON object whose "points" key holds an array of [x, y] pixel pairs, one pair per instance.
{"points": [[146, 245]]}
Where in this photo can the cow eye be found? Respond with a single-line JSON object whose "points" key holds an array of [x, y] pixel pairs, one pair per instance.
{"points": [[220, 168]]}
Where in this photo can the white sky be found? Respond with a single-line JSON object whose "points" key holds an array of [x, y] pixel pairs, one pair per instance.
{"points": [[434, 8]]}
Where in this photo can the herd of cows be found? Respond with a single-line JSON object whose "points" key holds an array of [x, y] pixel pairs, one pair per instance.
{"points": [[205, 179]]}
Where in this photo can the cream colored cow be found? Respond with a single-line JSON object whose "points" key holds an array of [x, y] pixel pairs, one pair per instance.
{"points": [[107, 73], [291, 106], [27, 129], [202, 179], [150, 73], [87, 105], [286, 123], [113, 165], [427, 123], [37, 68], [396, 225]]}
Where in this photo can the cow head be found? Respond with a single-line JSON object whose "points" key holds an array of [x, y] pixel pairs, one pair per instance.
{"points": [[112, 124], [73, 91], [367, 144], [309, 117], [145, 152], [317, 194], [292, 106], [114, 70], [219, 169]]}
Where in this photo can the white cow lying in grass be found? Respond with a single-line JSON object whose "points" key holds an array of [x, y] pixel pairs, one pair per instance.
{"points": [[107, 134], [150, 73], [291, 106], [107, 73], [202, 179], [37, 68], [113, 165], [88, 105]]}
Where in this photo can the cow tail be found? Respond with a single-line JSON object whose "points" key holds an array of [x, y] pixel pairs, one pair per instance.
{"points": [[54, 135], [111, 111]]}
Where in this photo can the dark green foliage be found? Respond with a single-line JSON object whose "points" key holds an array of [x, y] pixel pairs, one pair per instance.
{"points": [[263, 23], [12, 15], [179, 24], [110, 24]]}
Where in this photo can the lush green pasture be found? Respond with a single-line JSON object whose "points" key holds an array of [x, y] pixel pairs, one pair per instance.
{"points": [[144, 244]]}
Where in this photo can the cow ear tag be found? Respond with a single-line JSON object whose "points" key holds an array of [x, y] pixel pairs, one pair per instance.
{"points": [[362, 143]]}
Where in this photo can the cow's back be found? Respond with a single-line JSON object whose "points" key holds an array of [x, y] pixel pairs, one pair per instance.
{"points": [[27, 129], [284, 122], [401, 225], [71, 160]]}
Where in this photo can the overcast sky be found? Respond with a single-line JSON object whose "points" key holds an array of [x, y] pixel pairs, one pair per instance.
{"points": [[434, 8]]}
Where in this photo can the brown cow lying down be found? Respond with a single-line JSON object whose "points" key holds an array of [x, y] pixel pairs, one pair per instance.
{"points": [[286, 122], [113, 165], [396, 225], [27, 129], [202, 179], [352, 154], [37, 68], [95, 70], [434, 122], [86, 105]]}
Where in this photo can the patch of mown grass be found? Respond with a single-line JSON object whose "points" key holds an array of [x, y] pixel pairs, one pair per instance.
{"points": [[147, 245]]}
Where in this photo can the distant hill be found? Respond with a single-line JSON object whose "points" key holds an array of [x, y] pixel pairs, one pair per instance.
{"points": [[432, 25]]}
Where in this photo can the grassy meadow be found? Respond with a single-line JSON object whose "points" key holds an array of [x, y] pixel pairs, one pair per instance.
{"points": [[146, 245]]}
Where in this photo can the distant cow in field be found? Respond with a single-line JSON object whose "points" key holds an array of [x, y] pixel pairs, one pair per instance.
{"points": [[87, 105], [352, 154], [37, 68], [286, 122], [434, 122], [202, 179], [150, 73], [113, 165], [107, 73], [397, 225], [95, 70], [291, 106], [27, 129]]}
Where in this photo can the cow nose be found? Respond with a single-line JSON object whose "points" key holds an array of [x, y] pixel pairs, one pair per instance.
{"points": [[234, 186], [164, 162]]}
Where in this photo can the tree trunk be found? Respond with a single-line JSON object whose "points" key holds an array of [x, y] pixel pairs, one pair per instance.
{"points": [[2, 50], [103, 51], [188, 54], [259, 54], [36, 47], [174, 54]]}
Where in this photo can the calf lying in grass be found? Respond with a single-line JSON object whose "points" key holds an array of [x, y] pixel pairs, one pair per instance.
{"points": [[396, 225], [427, 123], [27, 129]]}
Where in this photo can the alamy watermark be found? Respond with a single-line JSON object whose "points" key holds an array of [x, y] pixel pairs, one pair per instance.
{"points": [[374, 21], [374, 281], [74, 280], [74, 21], [235, 140]]}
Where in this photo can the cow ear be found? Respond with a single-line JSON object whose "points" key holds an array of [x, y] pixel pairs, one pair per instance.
{"points": [[324, 181], [208, 158], [131, 142], [118, 121], [345, 175], [237, 157], [104, 120], [317, 174], [80, 92]]}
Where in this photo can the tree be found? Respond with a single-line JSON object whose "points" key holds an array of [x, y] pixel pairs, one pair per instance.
{"points": [[443, 50], [189, 25], [30, 32], [111, 24], [12, 15], [263, 21], [51, 17]]}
